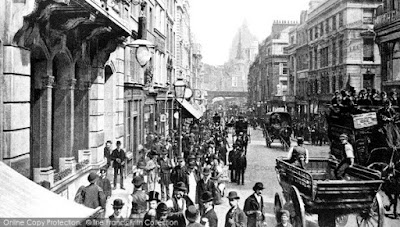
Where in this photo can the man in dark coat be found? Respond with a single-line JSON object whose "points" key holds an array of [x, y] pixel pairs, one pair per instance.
{"points": [[204, 185], [150, 217], [139, 198], [107, 153], [104, 183], [118, 157], [179, 203], [179, 173], [116, 219], [254, 206], [209, 216], [235, 216], [93, 195], [165, 175], [192, 215]]}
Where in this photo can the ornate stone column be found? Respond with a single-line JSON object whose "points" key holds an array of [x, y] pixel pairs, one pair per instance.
{"points": [[67, 158], [42, 154]]}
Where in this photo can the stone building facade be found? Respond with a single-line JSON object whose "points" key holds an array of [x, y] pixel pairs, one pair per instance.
{"points": [[72, 83], [388, 40]]}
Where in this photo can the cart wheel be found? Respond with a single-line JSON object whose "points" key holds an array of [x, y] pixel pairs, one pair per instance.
{"points": [[299, 217], [278, 204], [372, 216]]}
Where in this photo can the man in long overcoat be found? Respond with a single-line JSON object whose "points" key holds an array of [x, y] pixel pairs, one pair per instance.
{"points": [[254, 206], [118, 157]]}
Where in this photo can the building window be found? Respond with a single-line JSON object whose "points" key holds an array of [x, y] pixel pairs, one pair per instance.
{"points": [[133, 66], [315, 31], [234, 81], [311, 60], [368, 49], [150, 19], [334, 52], [327, 26], [310, 35], [321, 28], [340, 51], [315, 58], [340, 19], [134, 10], [334, 23], [368, 16], [283, 69], [323, 57]]}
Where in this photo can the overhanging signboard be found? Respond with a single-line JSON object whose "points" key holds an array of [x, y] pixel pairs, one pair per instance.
{"points": [[365, 120]]}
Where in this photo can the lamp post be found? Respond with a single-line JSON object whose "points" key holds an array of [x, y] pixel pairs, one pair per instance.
{"points": [[180, 89]]}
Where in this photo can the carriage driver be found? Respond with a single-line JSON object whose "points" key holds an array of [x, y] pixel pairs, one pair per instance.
{"points": [[298, 155], [348, 157]]}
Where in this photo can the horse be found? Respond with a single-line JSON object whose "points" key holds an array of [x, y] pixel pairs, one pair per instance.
{"points": [[390, 171]]}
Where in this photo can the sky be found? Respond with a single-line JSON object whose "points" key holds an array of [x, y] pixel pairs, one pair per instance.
{"points": [[214, 23]]}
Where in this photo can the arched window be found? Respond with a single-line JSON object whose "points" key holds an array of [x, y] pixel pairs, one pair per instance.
{"points": [[396, 62]]}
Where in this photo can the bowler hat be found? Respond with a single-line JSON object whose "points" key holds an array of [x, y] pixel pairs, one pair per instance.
{"points": [[162, 208], [300, 140], [103, 170], [118, 142], [180, 186], [343, 136], [137, 181], [118, 204], [192, 164], [92, 176], [191, 157], [285, 212], [198, 155], [233, 195], [180, 158], [258, 186], [192, 213], [206, 197], [206, 171], [153, 195]]}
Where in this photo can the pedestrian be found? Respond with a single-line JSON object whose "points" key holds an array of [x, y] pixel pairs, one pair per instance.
{"points": [[179, 203], [298, 155], [138, 198], [179, 172], [116, 219], [93, 195], [348, 157], [235, 216], [209, 217], [104, 183], [165, 219], [165, 175], [107, 153], [152, 169], [285, 216], [150, 217], [118, 157], [205, 184], [193, 177], [192, 216], [254, 206], [232, 162]]}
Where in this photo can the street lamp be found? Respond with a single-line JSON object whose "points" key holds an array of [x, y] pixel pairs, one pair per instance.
{"points": [[180, 89]]}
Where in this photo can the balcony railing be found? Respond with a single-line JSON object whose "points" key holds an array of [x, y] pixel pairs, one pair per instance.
{"points": [[387, 18]]}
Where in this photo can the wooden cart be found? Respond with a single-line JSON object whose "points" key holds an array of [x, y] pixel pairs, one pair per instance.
{"points": [[315, 191]]}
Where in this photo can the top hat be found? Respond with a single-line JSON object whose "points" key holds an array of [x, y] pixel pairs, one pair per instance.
{"points": [[137, 181], [206, 197], [92, 177], [180, 186], [343, 136], [153, 195], [118, 204], [258, 186], [300, 140], [162, 209], [192, 213], [233, 195], [206, 171]]}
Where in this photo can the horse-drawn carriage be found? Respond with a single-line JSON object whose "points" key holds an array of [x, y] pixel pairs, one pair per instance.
{"points": [[315, 190], [277, 125]]}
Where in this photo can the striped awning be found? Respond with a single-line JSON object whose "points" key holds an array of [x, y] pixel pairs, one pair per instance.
{"points": [[189, 107]]}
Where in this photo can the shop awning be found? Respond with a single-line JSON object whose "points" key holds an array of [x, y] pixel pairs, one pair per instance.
{"points": [[189, 107], [23, 198]]}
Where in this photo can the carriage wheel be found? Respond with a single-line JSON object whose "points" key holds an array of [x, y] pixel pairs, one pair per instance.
{"points": [[278, 204], [298, 218], [373, 216]]}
